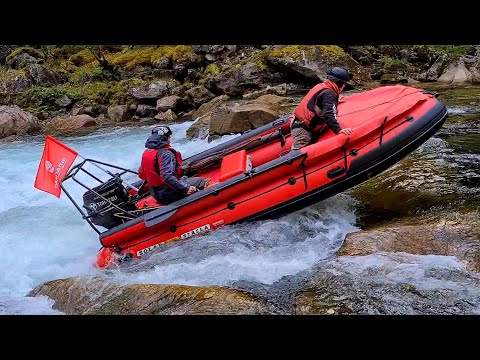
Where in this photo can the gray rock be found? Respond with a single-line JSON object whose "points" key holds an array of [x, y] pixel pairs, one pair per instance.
{"points": [[21, 61], [18, 85], [145, 110], [167, 116], [15, 121], [153, 91], [237, 119], [41, 76], [119, 113], [63, 101], [168, 102], [199, 95]]}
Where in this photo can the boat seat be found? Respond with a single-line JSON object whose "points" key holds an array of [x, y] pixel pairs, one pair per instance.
{"points": [[234, 164]]}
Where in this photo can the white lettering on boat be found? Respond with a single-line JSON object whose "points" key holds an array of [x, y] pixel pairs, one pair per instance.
{"points": [[153, 247], [196, 231]]}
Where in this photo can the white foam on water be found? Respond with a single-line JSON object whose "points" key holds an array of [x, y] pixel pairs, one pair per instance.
{"points": [[262, 251]]}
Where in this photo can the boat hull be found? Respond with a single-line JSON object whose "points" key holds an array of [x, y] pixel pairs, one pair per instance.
{"points": [[281, 181]]}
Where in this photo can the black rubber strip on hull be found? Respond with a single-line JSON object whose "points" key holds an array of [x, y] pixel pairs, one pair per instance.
{"points": [[367, 166]]}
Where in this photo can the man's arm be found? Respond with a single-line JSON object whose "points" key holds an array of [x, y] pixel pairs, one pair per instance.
{"points": [[327, 102], [167, 172]]}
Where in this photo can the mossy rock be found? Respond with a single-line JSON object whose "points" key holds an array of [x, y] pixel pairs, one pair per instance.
{"points": [[294, 52], [147, 56], [88, 73], [65, 51], [331, 51], [82, 58], [212, 69], [9, 75], [27, 50]]}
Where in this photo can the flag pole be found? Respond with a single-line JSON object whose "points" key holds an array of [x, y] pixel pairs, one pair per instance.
{"points": [[109, 173]]}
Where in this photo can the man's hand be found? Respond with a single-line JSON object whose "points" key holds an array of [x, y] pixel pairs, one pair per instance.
{"points": [[191, 190], [347, 131]]}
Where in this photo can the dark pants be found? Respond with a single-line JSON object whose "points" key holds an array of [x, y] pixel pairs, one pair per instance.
{"points": [[165, 195], [301, 136]]}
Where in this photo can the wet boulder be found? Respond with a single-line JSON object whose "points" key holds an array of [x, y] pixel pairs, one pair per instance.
{"points": [[465, 69], [166, 116], [452, 234], [76, 296]]}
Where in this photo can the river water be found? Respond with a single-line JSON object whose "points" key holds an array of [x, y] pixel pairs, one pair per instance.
{"points": [[44, 238]]}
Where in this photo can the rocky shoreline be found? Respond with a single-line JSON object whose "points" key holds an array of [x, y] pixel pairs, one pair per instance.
{"points": [[72, 90]]}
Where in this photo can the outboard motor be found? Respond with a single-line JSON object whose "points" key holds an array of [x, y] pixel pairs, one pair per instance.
{"points": [[102, 211]]}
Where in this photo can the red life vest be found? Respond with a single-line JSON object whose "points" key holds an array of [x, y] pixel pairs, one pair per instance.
{"points": [[152, 161], [302, 112]]}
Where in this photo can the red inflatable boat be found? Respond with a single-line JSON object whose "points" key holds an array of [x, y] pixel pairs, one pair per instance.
{"points": [[256, 175]]}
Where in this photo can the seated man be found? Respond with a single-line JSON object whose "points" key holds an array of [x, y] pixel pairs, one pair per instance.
{"points": [[161, 167]]}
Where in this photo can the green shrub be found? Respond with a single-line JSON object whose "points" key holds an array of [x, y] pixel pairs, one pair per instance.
{"points": [[89, 73], [455, 50], [39, 98], [394, 64]]}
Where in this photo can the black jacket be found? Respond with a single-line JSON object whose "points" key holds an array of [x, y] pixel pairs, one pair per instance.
{"points": [[327, 101]]}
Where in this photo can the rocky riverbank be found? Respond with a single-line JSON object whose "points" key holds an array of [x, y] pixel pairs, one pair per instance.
{"points": [[72, 90]]}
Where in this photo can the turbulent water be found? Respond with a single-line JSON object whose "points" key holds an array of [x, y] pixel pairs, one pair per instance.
{"points": [[44, 238]]}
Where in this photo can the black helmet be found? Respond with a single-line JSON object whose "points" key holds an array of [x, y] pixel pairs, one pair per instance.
{"points": [[162, 131], [338, 75], [158, 138]]}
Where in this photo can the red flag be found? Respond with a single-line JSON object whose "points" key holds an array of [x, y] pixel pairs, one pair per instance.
{"points": [[56, 160]]}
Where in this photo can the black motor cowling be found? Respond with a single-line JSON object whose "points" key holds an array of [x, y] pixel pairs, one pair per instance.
{"points": [[101, 211]]}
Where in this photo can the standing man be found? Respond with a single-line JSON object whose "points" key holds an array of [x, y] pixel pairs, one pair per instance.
{"points": [[317, 112]]}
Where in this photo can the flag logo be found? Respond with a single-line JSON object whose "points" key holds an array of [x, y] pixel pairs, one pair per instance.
{"points": [[49, 166]]}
